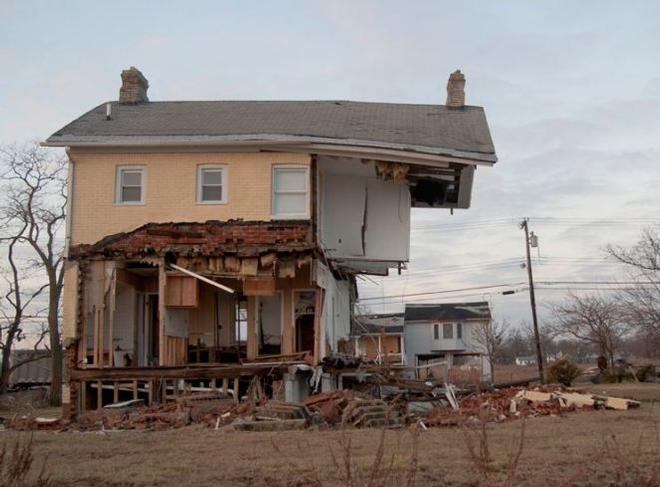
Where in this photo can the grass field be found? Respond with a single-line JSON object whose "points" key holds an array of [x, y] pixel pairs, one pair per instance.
{"points": [[585, 448]]}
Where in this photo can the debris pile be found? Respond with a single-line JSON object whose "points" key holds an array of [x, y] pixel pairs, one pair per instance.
{"points": [[502, 404], [426, 406]]}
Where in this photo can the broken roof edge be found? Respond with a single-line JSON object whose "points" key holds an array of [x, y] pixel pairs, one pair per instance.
{"points": [[278, 141]]}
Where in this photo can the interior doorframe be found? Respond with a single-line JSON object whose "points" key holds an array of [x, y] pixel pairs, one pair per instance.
{"points": [[293, 310]]}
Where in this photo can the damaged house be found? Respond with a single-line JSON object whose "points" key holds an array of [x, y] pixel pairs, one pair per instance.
{"points": [[210, 243]]}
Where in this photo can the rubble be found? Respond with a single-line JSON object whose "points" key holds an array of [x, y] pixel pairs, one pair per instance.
{"points": [[424, 404]]}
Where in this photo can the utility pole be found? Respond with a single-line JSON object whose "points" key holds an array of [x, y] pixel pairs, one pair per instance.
{"points": [[532, 298]]}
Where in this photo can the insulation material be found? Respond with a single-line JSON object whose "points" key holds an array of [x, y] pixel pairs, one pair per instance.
{"points": [[287, 268], [249, 267]]}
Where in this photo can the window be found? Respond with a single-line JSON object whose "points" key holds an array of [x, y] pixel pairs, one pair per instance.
{"points": [[459, 331], [436, 332], [211, 186], [130, 185], [447, 331], [290, 192]]}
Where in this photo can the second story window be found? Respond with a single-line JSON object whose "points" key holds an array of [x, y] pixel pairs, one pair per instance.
{"points": [[211, 185], [448, 331], [459, 331], [436, 332], [290, 191], [129, 188]]}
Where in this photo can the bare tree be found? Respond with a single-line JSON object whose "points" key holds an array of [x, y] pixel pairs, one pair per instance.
{"points": [[641, 303], [591, 319], [16, 303], [32, 217], [490, 338]]}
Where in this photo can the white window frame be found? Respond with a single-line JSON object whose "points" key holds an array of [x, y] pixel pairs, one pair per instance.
{"points": [[447, 327], [223, 170], [290, 216], [118, 184]]}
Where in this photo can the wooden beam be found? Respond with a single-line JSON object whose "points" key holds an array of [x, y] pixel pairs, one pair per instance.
{"points": [[101, 312], [111, 318], [237, 394], [99, 395], [318, 328], [252, 338], [202, 278], [197, 372], [162, 282]]}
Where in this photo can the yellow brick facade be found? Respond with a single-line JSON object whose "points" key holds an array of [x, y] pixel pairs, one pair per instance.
{"points": [[170, 190]]}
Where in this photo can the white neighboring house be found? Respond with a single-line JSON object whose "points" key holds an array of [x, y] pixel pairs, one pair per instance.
{"points": [[526, 360], [447, 333]]}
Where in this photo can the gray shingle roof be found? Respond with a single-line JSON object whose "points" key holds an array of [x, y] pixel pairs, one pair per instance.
{"points": [[435, 129], [447, 311], [379, 323]]}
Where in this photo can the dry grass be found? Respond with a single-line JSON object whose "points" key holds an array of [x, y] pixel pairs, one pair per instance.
{"points": [[584, 448], [557, 450], [17, 468]]}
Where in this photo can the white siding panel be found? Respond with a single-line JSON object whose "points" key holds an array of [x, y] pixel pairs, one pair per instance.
{"points": [[388, 220], [343, 215]]}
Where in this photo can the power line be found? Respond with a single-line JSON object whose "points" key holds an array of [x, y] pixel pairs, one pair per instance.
{"points": [[441, 292]]}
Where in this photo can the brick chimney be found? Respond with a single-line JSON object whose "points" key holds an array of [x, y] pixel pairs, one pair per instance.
{"points": [[456, 90], [133, 86]]}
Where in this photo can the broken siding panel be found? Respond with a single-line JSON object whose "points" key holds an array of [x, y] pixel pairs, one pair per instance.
{"points": [[343, 207], [362, 215], [387, 235]]}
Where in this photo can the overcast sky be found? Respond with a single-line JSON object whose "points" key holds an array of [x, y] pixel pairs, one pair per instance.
{"points": [[571, 92]]}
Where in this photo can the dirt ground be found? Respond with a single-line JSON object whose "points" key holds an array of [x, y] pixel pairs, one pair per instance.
{"points": [[582, 448]]}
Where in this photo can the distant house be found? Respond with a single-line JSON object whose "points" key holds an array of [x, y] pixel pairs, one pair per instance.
{"points": [[446, 333], [526, 360], [380, 337]]}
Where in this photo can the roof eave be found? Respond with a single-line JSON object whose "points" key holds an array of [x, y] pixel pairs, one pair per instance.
{"points": [[363, 148]]}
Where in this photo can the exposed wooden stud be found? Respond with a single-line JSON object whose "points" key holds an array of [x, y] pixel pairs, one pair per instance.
{"points": [[115, 392], [83, 396], [150, 392], [237, 394], [318, 310], [225, 386], [101, 313], [99, 395], [162, 282], [135, 389], [111, 317]]}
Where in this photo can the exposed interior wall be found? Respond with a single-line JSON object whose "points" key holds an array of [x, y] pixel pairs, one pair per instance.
{"points": [[269, 322], [336, 315], [125, 318], [170, 190], [360, 214]]}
